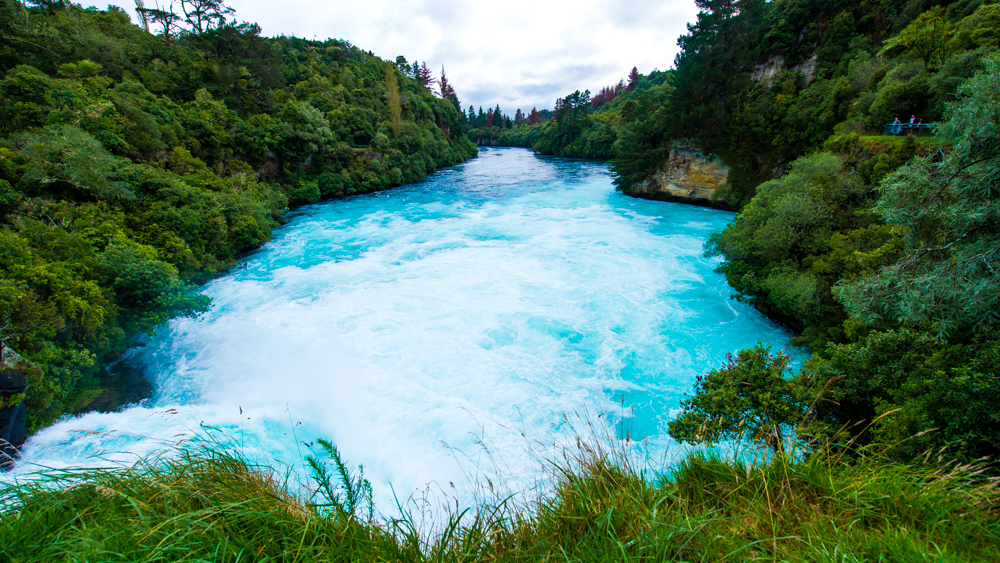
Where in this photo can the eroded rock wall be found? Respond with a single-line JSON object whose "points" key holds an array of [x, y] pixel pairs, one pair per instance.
{"points": [[768, 71], [687, 176]]}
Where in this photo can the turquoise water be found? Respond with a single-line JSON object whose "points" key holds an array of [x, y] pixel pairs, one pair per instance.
{"points": [[440, 332]]}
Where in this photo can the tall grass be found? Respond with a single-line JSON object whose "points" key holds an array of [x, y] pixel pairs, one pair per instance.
{"points": [[207, 505]]}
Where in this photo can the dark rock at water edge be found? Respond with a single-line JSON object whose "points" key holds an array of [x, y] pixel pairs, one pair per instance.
{"points": [[13, 385]]}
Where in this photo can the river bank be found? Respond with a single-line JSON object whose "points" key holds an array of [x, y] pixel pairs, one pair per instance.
{"points": [[206, 505]]}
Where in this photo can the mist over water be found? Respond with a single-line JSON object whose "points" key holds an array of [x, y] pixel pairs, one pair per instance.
{"points": [[432, 328]]}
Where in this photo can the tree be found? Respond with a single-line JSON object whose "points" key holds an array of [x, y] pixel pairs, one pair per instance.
{"points": [[130, 169], [780, 248], [947, 211], [403, 65], [423, 75], [642, 144], [534, 117], [140, 12], [49, 6], [749, 398], [633, 78], [606, 95], [909, 392], [307, 130], [707, 67], [147, 290], [447, 91], [928, 35], [980, 28], [571, 116], [203, 15], [168, 21], [392, 97], [518, 117]]}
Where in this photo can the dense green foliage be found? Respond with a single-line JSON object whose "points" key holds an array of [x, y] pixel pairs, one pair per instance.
{"points": [[213, 507], [134, 165], [749, 399], [797, 237], [946, 209], [882, 252], [894, 289], [764, 83], [581, 126]]}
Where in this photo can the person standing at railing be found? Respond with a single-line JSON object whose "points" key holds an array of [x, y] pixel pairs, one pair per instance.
{"points": [[896, 127]]}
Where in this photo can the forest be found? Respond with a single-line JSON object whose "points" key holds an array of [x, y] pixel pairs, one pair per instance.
{"points": [[137, 161], [582, 125]]}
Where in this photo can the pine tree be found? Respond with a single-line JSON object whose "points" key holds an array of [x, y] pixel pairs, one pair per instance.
{"points": [[424, 75], [633, 78], [140, 12], [168, 21], [203, 15], [447, 91]]}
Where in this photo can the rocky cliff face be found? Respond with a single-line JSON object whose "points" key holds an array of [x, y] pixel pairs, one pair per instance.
{"points": [[13, 384], [688, 176], [766, 72]]}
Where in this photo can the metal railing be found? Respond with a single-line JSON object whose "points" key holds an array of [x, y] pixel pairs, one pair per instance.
{"points": [[901, 129]]}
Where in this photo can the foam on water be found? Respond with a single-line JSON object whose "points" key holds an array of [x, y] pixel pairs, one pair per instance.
{"points": [[418, 326]]}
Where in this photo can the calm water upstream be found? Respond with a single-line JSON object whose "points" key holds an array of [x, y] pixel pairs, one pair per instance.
{"points": [[436, 327]]}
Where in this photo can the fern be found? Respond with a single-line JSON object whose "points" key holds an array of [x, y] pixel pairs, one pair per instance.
{"points": [[349, 495]]}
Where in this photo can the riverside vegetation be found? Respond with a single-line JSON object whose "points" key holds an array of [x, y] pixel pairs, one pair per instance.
{"points": [[880, 252], [134, 165], [206, 505]]}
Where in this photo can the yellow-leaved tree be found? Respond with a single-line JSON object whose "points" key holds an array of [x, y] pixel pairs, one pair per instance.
{"points": [[392, 94]]}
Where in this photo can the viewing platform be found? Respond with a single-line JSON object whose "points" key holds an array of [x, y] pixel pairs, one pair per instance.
{"points": [[902, 129]]}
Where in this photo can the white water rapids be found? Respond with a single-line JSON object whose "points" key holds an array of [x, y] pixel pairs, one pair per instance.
{"points": [[437, 327]]}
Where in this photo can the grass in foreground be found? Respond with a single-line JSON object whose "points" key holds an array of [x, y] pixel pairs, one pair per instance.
{"points": [[211, 506]]}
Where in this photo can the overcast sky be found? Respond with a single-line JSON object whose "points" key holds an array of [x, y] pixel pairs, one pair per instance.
{"points": [[518, 53]]}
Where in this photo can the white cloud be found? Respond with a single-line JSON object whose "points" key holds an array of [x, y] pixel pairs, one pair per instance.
{"points": [[518, 53]]}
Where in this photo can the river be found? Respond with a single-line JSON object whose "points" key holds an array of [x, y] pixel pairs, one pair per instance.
{"points": [[440, 332]]}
